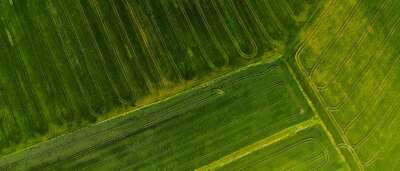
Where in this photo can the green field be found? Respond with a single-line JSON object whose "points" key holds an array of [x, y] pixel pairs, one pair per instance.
{"points": [[199, 85], [191, 129], [310, 149], [349, 60], [194, 126], [67, 64]]}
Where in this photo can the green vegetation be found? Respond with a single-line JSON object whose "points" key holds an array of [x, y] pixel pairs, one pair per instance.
{"points": [[349, 60], [67, 64], [310, 149], [199, 85], [184, 132]]}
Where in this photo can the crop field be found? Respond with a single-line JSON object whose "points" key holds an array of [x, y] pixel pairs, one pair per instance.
{"points": [[67, 64], [349, 59], [199, 85], [188, 130], [310, 149]]}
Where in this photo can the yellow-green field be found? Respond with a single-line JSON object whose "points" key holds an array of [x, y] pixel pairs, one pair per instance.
{"points": [[349, 59]]}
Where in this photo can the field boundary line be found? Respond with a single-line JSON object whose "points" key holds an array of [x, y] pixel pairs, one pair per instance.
{"points": [[312, 106], [37, 148], [318, 115], [281, 135]]}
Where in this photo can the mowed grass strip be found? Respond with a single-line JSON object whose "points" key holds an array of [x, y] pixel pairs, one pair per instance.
{"points": [[247, 150], [184, 132], [349, 57], [67, 64], [301, 148]]}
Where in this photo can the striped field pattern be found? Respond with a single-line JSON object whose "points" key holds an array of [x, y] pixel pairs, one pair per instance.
{"points": [[199, 85]]}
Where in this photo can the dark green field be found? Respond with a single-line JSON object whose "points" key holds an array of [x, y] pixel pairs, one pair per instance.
{"points": [[67, 64], [184, 132], [199, 85]]}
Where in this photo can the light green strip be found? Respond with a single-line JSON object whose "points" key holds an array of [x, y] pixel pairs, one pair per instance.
{"points": [[286, 133], [317, 115]]}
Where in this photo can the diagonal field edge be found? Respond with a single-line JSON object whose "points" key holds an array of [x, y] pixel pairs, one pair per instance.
{"points": [[279, 136]]}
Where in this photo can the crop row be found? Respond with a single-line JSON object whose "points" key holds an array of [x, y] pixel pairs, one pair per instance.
{"points": [[65, 63]]}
